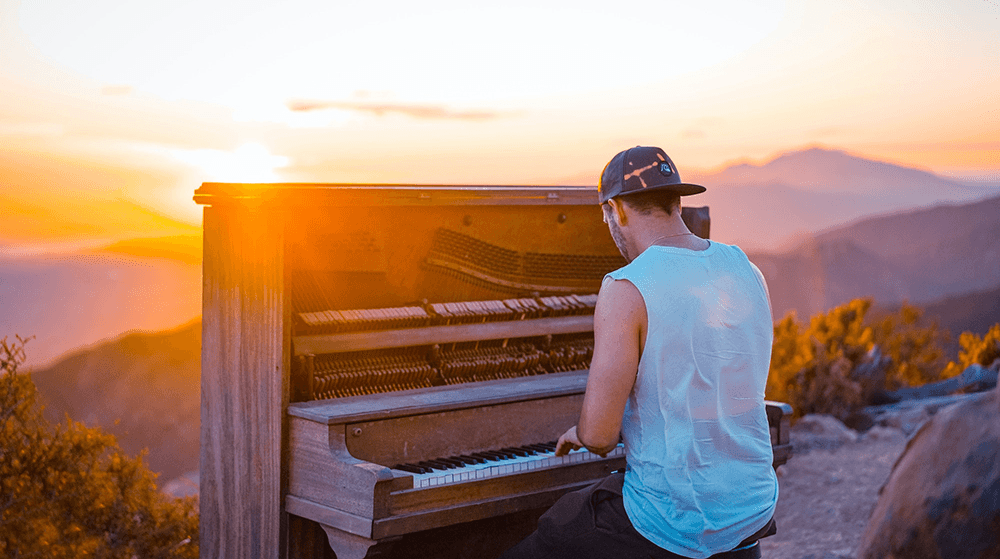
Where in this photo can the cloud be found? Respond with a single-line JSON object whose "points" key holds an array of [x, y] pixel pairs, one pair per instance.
{"points": [[429, 112]]}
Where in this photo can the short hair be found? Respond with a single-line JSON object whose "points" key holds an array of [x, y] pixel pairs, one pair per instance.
{"points": [[646, 202]]}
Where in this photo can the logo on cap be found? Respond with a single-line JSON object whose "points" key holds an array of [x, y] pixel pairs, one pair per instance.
{"points": [[665, 169]]}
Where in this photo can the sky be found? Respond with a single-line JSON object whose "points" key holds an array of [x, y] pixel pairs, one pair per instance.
{"points": [[112, 112]]}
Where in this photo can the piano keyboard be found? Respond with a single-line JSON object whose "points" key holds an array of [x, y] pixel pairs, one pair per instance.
{"points": [[493, 463]]}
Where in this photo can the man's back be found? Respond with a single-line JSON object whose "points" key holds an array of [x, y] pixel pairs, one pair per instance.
{"points": [[698, 447]]}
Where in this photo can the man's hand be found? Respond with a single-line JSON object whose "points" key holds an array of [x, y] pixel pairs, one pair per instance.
{"points": [[567, 442]]}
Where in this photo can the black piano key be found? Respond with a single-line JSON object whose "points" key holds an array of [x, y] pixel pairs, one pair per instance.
{"points": [[470, 459], [515, 451], [453, 461], [412, 468], [490, 455], [435, 465], [538, 447]]}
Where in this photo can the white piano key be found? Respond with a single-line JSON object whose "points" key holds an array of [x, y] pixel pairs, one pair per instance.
{"points": [[510, 466]]}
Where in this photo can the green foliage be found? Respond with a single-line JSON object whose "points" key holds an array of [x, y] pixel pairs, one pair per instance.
{"points": [[67, 490]]}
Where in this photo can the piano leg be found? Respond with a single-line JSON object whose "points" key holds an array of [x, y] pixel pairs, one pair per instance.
{"points": [[351, 546]]}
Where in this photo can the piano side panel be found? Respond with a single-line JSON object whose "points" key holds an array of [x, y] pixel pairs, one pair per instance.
{"points": [[321, 471], [244, 384]]}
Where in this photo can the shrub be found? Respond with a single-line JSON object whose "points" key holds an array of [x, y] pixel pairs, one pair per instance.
{"points": [[67, 490], [811, 368], [976, 350], [916, 348]]}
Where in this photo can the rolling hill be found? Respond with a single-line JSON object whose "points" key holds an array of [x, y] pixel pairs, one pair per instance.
{"points": [[142, 387], [918, 256]]}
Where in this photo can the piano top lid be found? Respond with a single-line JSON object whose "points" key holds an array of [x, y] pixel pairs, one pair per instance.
{"points": [[357, 194], [440, 398]]}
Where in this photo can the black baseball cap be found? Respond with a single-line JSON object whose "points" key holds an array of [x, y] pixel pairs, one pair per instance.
{"points": [[639, 169]]}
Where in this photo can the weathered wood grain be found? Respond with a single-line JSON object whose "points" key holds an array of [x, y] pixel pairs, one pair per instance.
{"points": [[322, 471], [245, 356], [439, 435], [440, 398]]}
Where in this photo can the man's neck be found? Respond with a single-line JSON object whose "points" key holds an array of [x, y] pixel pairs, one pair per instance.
{"points": [[672, 232]]}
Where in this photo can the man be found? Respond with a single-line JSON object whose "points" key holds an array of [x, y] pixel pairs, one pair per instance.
{"points": [[682, 345]]}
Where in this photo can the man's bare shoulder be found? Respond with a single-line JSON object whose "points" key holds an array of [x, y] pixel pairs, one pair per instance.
{"points": [[619, 299]]}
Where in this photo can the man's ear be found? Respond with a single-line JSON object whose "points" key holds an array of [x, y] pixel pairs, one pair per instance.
{"points": [[618, 210]]}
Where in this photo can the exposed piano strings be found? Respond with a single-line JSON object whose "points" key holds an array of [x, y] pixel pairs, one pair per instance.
{"points": [[372, 372], [356, 373]]}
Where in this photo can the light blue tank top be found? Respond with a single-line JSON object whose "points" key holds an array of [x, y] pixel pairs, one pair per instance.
{"points": [[699, 478]]}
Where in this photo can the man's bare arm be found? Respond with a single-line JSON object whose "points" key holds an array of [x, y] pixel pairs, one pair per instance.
{"points": [[619, 333]]}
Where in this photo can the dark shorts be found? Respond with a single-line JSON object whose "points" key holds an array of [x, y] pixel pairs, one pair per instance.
{"points": [[592, 522]]}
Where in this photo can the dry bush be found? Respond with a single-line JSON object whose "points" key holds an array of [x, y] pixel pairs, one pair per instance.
{"points": [[67, 490], [976, 350], [811, 368]]}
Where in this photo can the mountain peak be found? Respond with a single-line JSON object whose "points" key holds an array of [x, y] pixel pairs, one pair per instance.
{"points": [[763, 206]]}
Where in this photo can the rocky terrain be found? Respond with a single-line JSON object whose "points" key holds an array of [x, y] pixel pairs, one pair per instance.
{"points": [[831, 484]]}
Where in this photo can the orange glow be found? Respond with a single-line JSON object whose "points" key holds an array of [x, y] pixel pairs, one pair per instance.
{"points": [[104, 143]]}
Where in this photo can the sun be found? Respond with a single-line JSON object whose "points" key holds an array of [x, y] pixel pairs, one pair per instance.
{"points": [[251, 162]]}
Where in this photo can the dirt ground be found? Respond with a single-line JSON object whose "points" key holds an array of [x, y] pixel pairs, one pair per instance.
{"points": [[826, 493]]}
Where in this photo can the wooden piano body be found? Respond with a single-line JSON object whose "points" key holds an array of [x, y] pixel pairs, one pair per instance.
{"points": [[353, 331]]}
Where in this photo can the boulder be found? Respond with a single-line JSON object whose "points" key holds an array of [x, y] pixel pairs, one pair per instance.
{"points": [[942, 499], [820, 431]]}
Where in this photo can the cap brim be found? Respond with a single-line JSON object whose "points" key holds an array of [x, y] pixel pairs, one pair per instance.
{"points": [[681, 188]]}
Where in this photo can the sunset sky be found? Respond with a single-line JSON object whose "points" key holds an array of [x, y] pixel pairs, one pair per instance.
{"points": [[114, 111]]}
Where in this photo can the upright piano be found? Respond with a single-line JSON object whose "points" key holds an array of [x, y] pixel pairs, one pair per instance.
{"points": [[381, 362]]}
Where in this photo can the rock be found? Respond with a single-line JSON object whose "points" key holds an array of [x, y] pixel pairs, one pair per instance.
{"points": [[975, 378], [906, 415], [907, 420], [870, 373], [881, 433], [820, 431], [183, 486], [942, 499]]}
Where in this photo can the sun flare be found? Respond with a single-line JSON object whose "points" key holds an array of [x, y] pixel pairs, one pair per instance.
{"points": [[250, 162]]}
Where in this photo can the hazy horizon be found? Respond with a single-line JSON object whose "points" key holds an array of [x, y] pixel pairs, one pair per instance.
{"points": [[114, 107]]}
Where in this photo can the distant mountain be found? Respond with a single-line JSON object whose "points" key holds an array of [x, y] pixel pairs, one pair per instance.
{"points": [[972, 312], [772, 206], [144, 388], [921, 256]]}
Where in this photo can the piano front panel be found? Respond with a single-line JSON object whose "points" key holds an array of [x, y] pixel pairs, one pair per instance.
{"points": [[414, 510], [436, 435]]}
